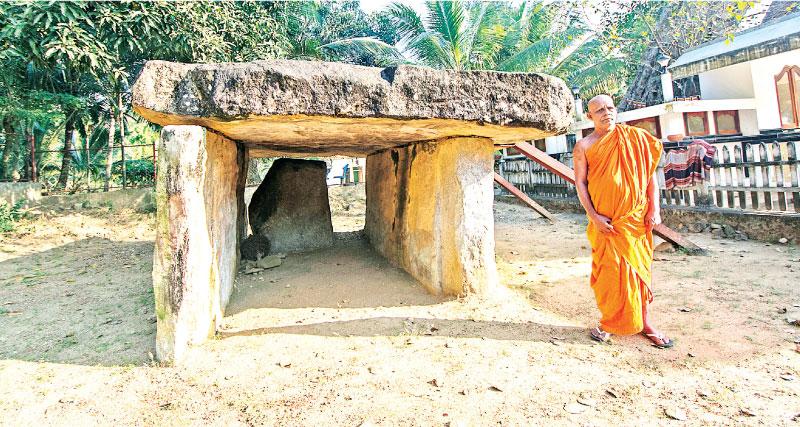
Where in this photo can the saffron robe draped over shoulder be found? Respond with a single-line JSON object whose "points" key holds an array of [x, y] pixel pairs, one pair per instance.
{"points": [[620, 167]]}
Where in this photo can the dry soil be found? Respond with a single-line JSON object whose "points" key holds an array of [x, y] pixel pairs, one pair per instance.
{"points": [[340, 337]]}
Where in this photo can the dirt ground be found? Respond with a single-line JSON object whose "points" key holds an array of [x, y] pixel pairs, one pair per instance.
{"points": [[339, 337]]}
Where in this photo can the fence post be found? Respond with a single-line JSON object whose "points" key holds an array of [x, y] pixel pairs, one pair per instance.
{"points": [[32, 146], [124, 168], [88, 161]]}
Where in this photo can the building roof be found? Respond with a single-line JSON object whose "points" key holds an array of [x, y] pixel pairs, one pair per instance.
{"points": [[775, 37]]}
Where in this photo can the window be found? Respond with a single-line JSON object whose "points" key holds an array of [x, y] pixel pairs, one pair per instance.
{"points": [[649, 124], [787, 86], [696, 124], [540, 144], [571, 139], [727, 122]]}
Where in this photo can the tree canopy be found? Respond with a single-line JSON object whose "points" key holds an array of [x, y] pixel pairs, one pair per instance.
{"points": [[67, 67]]}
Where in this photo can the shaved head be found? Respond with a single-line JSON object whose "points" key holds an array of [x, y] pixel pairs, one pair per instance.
{"points": [[602, 99], [602, 112]]}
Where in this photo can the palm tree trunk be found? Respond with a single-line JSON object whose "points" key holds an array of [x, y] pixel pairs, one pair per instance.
{"points": [[122, 129], [109, 150], [66, 159], [10, 135]]}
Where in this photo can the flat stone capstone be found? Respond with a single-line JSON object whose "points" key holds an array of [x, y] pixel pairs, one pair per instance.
{"points": [[283, 107]]}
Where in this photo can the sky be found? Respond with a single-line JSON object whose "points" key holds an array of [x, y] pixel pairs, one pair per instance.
{"points": [[375, 5]]}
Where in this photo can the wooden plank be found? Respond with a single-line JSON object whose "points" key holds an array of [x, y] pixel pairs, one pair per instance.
{"points": [[675, 238], [545, 160], [568, 174], [524, 197]]}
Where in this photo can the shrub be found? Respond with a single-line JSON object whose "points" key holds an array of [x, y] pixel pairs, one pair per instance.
{"points": [[9, 215], [137, 172]]}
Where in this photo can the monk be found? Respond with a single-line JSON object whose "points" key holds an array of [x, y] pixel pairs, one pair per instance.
{"points": [[615, 177]]}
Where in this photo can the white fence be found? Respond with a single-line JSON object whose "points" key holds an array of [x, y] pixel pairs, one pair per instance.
{"points": [[761, 177]]}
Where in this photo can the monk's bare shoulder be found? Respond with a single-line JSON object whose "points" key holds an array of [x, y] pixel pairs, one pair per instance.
{"points": [[582, 145]]}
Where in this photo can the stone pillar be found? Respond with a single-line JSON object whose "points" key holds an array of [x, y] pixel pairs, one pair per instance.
{"points": [[197, 234], [666, 87], [429, 211]]}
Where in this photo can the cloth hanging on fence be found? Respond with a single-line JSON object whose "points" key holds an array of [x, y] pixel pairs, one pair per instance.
{"points": [[685, 167]]}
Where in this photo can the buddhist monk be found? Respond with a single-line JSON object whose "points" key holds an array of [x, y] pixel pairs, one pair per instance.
{"points": [[615, 177]]}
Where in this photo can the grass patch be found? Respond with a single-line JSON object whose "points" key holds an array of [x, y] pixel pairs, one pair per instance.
{"points": [[146, 299], [10, 215]]}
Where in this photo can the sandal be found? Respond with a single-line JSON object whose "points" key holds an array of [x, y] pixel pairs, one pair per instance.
{"points": [[665, 342], [600, 336]]}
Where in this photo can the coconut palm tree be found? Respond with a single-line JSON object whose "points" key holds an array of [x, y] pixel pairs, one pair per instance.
{"points": [[532, 36]]}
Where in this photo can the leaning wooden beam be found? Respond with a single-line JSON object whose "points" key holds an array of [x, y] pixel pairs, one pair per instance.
{"points": [[524, 197], [545, 160], [675, 238], [568, 174]]}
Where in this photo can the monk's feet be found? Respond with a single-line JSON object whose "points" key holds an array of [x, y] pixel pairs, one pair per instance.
{"points": [[658, 338], [600, 335]]}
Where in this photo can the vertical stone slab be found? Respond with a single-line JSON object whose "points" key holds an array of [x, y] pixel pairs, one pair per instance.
{"points": [[291, 207], [196, 251], [429, 211]]}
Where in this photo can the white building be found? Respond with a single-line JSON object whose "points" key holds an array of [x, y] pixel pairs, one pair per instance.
{"points": [[745, 86]]}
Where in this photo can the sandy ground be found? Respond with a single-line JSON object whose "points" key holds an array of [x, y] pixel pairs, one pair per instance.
{"points": [[339, 337]]}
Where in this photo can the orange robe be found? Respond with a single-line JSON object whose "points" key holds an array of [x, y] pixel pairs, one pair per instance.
{"points": [[620, 166]]}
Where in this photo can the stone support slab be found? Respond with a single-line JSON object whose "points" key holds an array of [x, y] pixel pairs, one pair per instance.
{"points": [[290, 208], [429, 211], [197, 233]]}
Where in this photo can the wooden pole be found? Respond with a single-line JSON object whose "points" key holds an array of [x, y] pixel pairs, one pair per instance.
{"points": [[568, 174], [524, 197]]}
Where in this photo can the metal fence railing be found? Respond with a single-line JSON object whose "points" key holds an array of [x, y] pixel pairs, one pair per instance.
{"points": [[132, 166]]}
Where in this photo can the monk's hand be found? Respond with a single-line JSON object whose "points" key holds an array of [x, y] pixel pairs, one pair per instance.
{"points": [[651, 219], [603, 223]]}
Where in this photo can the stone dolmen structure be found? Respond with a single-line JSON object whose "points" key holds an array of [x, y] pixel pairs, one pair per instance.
{"points": [[428, 136]]}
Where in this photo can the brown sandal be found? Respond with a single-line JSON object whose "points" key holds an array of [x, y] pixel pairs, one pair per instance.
{"points": [[665, 341], [600, 336]]}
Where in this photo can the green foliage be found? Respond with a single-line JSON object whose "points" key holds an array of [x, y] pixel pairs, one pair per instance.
{"points": [[10, 215], [67, 64], [137, 172]]}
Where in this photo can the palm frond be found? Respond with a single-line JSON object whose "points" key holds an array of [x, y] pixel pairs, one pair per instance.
{"points": [[407, 22], [607, 76], [383, 53], [481, 38], [532, 58], [447, 18]]}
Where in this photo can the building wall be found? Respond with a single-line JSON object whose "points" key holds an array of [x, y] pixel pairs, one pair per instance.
{"points": [[556, 144], [748, 122], [732, 82], [671, 124], [764, 71]]}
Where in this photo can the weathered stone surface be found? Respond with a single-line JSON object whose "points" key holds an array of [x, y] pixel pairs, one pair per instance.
{"points": [[321, 108], [13, 192], [196, 251], [429, 211], [254, 247], [290, 207]]}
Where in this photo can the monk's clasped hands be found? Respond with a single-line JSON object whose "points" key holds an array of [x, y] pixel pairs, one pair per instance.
{"points": [[603, 224]]}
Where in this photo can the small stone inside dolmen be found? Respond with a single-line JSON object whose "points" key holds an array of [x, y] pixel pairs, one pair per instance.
{"points": [[290, 207], [254, 247]]}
